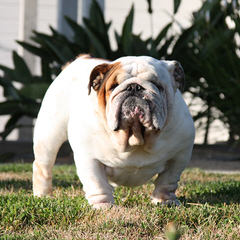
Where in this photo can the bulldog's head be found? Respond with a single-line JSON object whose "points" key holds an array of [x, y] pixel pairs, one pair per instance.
{"points": [[135, 96]]}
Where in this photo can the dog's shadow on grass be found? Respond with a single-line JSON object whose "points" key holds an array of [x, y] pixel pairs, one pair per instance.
{"points": [[14, 185], [67, 183], [221, 193]]}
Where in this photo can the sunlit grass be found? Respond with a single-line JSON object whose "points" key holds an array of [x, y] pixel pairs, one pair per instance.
{"points": [[210, 208]]}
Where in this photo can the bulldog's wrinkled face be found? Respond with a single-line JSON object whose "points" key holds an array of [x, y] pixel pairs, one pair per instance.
{"points": [[135, 95]]}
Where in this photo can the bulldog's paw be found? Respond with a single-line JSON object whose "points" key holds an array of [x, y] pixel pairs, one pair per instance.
{"points": [[165, 198], [41, 194], [102, 205], [42, 191], [166, 202], [101, 201]]}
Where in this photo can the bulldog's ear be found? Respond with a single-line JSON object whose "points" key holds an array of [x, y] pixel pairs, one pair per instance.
{"points": [[177, 72], [97, 76]]}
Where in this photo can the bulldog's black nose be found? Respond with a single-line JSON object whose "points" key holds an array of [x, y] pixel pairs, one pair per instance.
{"points": [[134, 87]]}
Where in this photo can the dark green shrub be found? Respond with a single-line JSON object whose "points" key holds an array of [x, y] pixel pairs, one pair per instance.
{"points": [[209, 53], [24, 101]]}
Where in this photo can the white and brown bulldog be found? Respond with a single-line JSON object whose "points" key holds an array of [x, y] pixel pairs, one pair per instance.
{"points": [[126, 121]]}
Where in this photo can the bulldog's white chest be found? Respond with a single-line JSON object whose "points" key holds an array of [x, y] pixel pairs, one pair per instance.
{"points": [[136, 168], [132, 176]]}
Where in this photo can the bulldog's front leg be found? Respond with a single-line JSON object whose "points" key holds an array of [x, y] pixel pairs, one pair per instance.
{"points": [[167, 182], [164, 194], [92, 175]]}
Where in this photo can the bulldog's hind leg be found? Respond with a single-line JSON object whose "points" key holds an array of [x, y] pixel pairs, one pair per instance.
{"points": [[48, 138], [167, 182]]}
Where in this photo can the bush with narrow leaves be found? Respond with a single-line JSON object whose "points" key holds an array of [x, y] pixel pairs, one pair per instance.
{"points": [[208, 50]]}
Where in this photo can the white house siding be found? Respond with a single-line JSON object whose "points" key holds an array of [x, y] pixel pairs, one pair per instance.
{"points": [[114, 10], [162, 13], [47, 15], [8, 29], [8, 35], [9, 23]]}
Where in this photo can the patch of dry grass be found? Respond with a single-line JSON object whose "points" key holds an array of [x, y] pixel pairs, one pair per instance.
{"points": [[210, 209]]}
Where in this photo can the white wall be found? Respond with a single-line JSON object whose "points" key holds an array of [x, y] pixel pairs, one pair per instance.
{"points": [[162, 14], [8, 29], [9, 23]]}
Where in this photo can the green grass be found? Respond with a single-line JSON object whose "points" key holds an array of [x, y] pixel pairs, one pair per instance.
{"points": [[210, 209]]}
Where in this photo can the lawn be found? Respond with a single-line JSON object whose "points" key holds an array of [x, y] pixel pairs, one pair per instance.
{"points": [[210, 209]]}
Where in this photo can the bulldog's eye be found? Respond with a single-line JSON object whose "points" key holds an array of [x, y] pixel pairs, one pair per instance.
{"points": [[160, 88], [113, 86]]}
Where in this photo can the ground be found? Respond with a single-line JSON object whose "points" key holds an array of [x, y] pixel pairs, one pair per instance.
{"points": [[210, 201], [210, 207], [218, 157]]}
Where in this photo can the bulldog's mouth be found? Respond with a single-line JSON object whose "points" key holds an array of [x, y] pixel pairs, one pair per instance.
{"points": [[135, 118], [134, 114]]}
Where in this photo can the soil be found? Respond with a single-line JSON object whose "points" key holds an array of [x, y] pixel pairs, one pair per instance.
{"points": [[217, 158]]}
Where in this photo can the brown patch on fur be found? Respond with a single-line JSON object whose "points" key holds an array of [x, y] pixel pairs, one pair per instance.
{"points": [[108, 83], [88, 56], [97, 76], [179, 76], [42, 180], [121, 136], [42, 171], [65, 65], [84, 55]]}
